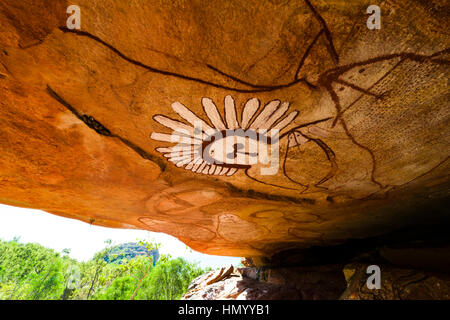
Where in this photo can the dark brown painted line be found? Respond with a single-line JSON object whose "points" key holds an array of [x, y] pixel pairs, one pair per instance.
{"points": [[262, 87], [266, 183], [306, 54], [405, 55], [337, 104], [330, 76], [237, 79], [181, 76], [265, 196], [287, 176], [423, 174], [357, 88], [326, 30], [304, 125], [373, 85], [331, 156], [444, 51], [372, 155], [258, 88]]}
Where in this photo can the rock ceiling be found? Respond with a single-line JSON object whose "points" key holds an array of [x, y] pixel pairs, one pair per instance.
{"points": [[365, 142]]}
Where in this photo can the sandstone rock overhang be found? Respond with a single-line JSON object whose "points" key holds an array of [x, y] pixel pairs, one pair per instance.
{"points": [[367, 154]]}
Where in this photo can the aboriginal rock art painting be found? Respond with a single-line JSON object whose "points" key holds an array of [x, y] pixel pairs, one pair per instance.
{"points": [[331, 152], [256, 139], [228, 146]]}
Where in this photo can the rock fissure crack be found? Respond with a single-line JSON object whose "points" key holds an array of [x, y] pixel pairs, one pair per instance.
{"points": [[95, 125]]}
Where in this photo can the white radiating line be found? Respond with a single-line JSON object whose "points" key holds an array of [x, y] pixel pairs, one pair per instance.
{"points": [[176, 159], [275, 116], [174, 124], [268, 110], [197, 165], [213, 114], [191, 164], [190, 117], [178, 148], [180, 153], [249, 110], [163, 149], [230, 113], [200, 169], [175, 138], [205, 171], [218, 169], [182, 163], [286, 121], [163, 137]]}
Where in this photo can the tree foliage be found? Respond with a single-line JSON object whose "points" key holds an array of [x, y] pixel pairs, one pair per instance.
{"points": [[32, 272]]}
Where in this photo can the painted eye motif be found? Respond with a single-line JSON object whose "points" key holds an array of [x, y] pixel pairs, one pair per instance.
{"points": [[227, 145], [234, 149]]}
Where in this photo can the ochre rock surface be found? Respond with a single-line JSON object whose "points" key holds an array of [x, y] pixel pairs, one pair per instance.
{"points": [[77, 108]]}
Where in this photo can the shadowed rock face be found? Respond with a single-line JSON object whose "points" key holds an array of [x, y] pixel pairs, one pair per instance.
{"points": [[318, 283], [327, 282], [397, 284], [366, 154]]}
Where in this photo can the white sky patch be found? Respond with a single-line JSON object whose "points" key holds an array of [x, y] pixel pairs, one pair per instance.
{"points": [[84, 240]]}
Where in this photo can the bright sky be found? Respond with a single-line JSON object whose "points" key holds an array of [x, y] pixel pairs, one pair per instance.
{"points": [[84, 240]]}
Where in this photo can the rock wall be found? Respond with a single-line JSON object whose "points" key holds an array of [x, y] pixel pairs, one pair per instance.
{"points": [[364, 151], [397, 284], [318, 283]]}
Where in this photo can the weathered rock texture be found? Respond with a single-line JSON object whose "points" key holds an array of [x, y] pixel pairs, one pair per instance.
{"points": [[76, 112], [317, 283], [396, 284]]}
